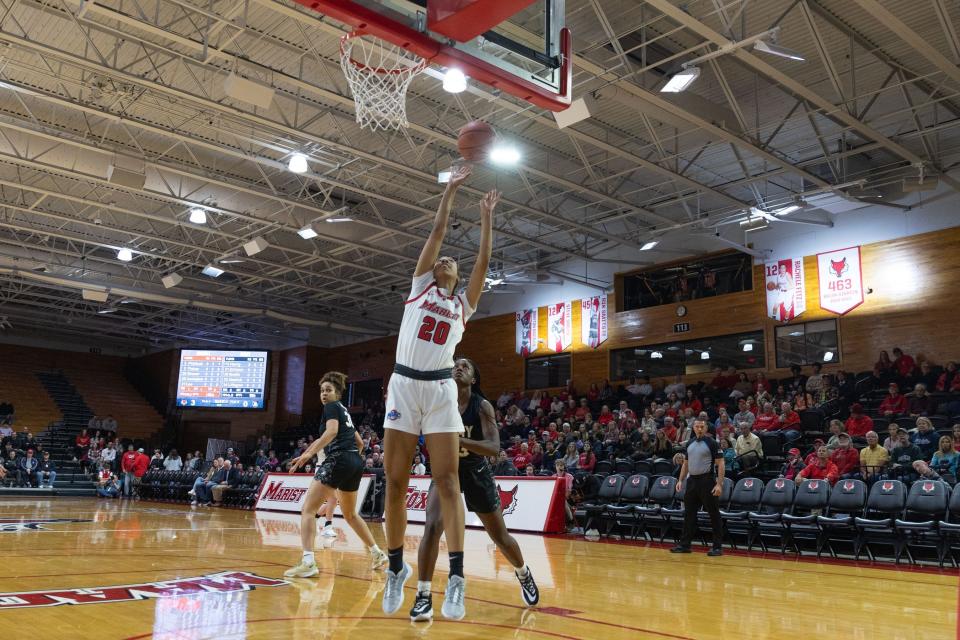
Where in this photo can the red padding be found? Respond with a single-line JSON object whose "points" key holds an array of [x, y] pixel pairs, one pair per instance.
{"points": [[360, 17], [464, 20]]}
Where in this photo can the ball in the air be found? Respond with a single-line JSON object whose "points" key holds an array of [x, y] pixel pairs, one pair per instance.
{"points": [[475, 140]]}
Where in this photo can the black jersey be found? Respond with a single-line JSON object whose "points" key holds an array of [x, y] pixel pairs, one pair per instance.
{"points": [[472, 427], [344, 440]]}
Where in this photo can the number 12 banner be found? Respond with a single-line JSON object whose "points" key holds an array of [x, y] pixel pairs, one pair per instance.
{"points": [[560, 326], [841, 280]]}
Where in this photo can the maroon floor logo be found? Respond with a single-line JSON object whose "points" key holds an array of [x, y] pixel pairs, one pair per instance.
{"points": [[11, 526], [225, 582]]}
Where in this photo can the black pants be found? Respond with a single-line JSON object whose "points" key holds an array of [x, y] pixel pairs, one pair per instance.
{"points": [[698, 494]]}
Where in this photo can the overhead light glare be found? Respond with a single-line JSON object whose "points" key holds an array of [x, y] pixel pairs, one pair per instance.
{"points": [[649, 245], [828, 356], [308, 232], [339, 219], [656, 355], [103, 312], [681, 80], [298, 163], [198, 216], [454, 81], [124, 255], [705, 355], [776, 50], [505, 156], [786, 210], [212, 271], [748, 346]]}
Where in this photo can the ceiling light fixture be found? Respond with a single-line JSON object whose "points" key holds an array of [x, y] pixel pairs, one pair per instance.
{"points": [[339, 219], [828, 356], [681, 80], [255, 246], [649, 245], [505, 156], [786, 210], [212, 271], [308, 232], [454, 81], [298, 163], [705, 355], [656, 355], [774, 49], [124, 255], [198, 216], [171, 280], [748, 346]]}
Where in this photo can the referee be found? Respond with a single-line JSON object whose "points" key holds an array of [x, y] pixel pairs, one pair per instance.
{"points": [[703, 470]]}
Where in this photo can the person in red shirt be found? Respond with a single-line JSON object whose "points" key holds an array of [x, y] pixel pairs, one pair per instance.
{"points": [[846, 458], [140, 465], [669, 429], [605, 417], [902, 363], [822, 469], [858, 424], [948, 378], [690, 401], [514, 447], [766, 420], [582, 410], [127, 461], [789, 419], [552, 434], [895, 403], [812, 456], [522, 459], [588, 459]]}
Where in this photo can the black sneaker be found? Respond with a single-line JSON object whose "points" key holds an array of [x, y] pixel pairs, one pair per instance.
{"points": [[528, 589], [422, 608], [716, 551], [680, 549]]}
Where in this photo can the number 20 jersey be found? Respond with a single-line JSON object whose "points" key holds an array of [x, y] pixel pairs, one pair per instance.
{"points": [[432, 326]]}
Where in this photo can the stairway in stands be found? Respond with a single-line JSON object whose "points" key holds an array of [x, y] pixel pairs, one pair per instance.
{"points": [[59, 438]]}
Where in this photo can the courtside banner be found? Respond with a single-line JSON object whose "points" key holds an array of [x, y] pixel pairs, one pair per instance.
{"points": [[286, 492], [841, 280], [560, 326], [786, 288], [528, 504], [526, 331], [593, 321]]}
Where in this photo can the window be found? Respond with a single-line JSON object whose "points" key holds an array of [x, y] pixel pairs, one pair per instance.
{"points": [[807, 343], [743, 351], [707, 278], [550, 371]]}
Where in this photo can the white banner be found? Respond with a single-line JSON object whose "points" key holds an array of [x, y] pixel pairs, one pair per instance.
{"points": [[786, 288], [286, 491], [525, 502], [593, 321], [841, 280], [560, 326], [526, 331]]}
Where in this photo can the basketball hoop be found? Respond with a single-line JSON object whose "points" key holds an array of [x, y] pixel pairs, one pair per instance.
{"points": [[379, 74]]}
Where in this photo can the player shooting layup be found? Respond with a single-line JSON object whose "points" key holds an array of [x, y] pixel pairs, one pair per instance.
{"points": [[422, 397]]}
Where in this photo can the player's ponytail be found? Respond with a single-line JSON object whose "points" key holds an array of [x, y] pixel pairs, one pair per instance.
{"points": [[337, 379]]}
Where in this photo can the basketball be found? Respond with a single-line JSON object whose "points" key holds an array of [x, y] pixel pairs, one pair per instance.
{"points": [[771, 286], [475, 140]]}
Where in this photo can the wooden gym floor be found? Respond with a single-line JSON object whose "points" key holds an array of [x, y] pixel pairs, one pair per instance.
{"points": [[589, 589]]}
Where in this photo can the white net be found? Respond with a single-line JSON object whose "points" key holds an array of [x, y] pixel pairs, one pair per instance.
{"points": [[379, 74]]}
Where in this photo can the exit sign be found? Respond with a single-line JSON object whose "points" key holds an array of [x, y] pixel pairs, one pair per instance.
{"points": [[681, 327]]}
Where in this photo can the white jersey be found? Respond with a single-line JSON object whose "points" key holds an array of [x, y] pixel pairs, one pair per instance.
{"points": [[432, 326]]}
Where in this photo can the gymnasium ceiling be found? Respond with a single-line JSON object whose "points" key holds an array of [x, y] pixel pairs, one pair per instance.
{"points": [[139, 83]]}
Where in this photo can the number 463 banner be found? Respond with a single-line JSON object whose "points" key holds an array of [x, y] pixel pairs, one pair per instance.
{"points": [[841, 281]]}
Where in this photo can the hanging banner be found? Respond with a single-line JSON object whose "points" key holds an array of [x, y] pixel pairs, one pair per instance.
{"points": [[593, 321], [841, 280], [560, 326], [526, 326], [786, 288]]}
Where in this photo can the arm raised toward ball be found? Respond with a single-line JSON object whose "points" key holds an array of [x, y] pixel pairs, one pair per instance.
{"points": [[479, 274], [431, 248]]}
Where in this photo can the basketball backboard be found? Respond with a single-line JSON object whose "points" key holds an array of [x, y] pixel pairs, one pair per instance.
{"points": [[527, 55]]}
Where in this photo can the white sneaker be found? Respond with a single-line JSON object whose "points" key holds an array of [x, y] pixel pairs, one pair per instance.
{"points": [[302, 570], [378, 558], [329, 531], [191, 492], [453, 607], [393, 592]]}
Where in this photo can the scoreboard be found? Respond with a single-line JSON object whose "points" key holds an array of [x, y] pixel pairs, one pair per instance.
{"points": [[222, 379]]}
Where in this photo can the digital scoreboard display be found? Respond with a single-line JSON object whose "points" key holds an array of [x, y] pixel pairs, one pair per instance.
{"points": [[222, 379]]}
